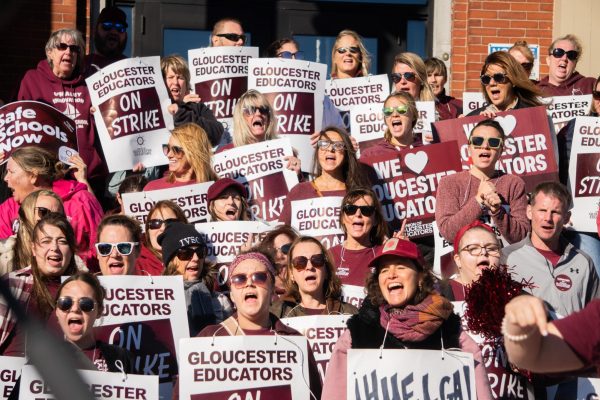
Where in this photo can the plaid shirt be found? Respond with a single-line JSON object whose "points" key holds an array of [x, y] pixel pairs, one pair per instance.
{"points": [[21, 285]]}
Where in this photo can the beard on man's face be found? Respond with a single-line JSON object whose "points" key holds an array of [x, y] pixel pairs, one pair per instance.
{"points": [[110, 44]]}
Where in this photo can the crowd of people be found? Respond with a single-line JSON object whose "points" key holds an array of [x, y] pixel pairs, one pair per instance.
{"points": [[69, 220]]}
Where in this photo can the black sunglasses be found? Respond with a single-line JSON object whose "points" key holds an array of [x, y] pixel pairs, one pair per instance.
{"points": [[42, 211], [316, 260], [351, 49], [63, 46], [527, 66], [86, 304], [409, 76], [156, 223], [571, 54], [251, 110], [492, 142], [107, 26], [177, 150], [124, 248], [299, 55], [187, 253], [234, 37], [258, 278], [351, 209], [596, 94], [285, 249], [498, 77]]}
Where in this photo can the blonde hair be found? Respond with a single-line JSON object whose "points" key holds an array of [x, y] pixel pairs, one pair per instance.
{"points": [[364, 58], [522, 47], [197, 151], [417, 64], [39, 162], [178, 65], [241, 130], [571, 38]]}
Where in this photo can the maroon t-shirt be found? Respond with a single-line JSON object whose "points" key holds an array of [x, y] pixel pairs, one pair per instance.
{"points": [[580, 331], [95, 355], [351, 265], [552, 256]]}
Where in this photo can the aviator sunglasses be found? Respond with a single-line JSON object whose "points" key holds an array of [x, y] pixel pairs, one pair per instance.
{"points": [[351, 209], [258, 278], [479, 141], [42, 211], [156, 223], [123, 248], [316, 260], [498, 77], [177, 150], [388, 111], [251, 110], [299, 55], [571, 54], [409, 76], [351, 49], [86, 304]]}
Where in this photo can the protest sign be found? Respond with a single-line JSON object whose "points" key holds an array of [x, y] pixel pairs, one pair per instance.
{"points": [[132, 115], [426, 117], [262, 169], [10, 370], [219, 75], [319, 217], [353, 294], [535, 50], [147, 316], [295, 89], [322, 332], [190, 198], [244, 367], [102, 385], [443, 261], [529, 149], [584, 173], [348, 93], [402, 374], [367, 124], [406, 183], [562, 109], [31, 123], [472, 101]]}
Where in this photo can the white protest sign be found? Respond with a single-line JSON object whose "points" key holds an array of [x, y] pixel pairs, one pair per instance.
{"points": [[588, 389], [562, 109], [132, 115], [225, 238], [219, 75], [263, 169], [319, 217], [102, 385], [353, 294], [443, 264], [147, 316], [348, 93], [472, 101], [367, 124], [584, 173], [404, 373], [426, 110], [10, 370], [244, 367], [535, 49], [190, 198]]}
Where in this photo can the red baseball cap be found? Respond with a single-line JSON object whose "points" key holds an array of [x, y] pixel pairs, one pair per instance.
{"points": [[399, 248], [224, 183]]}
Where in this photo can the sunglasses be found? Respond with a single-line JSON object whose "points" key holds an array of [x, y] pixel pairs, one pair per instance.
{"points": [[177, 150], [107, 26], [63, 46], [299, 55], [409, 76], [571, 54], [351, 49], [285, 249], [42, 211], [498, 77], [234, 37], [338, 146], [156, 223], [388, 111], [479, 141], [65, 303], [123, 248], [596, 94], [258, 278], [251, 110], [351, 209], [187, 253], [527, 66], [316, 260]]}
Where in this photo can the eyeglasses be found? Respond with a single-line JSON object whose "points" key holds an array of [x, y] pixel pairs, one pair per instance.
{"points": [[338, 146], [187, 253], [156, 223], [477, 250], [316, 260], [571, 54], [42, 211], [388, 111], [177, 150], [351, 49], [527, 66], [409, 76], [63, 46], [596, 94], [478, 141], [123, 248], [251, 110], [258, 278], [285, 249], [498, 77], [234, 37], [107, 26], [351, 209], [65, 303], [299, 55]]}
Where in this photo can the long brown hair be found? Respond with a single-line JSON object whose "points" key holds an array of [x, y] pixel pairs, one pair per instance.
{"points": [[158, 206], [379, 230]]}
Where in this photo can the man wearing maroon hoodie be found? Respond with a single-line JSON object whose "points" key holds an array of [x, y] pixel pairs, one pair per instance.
{"points": [[562, 79]]}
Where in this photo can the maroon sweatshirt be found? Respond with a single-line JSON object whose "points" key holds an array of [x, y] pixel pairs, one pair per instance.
{"points": [[577, 84]]}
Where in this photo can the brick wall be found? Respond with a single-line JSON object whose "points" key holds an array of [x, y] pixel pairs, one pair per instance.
{"points": [[477, 23]]}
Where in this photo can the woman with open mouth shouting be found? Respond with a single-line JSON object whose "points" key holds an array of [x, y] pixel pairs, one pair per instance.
{"points": [[227, 200], [349, 56]]}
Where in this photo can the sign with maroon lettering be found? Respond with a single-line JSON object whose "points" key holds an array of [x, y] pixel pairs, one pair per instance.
{"points": [[348, 93], [252, 366], [584, 173], [367, 124], [147, 316], [190, 198], [443, 260], [261, 167], [10, 370], [322, 332], [562, 109], [319, 217], [219, 75], [426, 117], [406, 184], [472, 101], [102, 385], [132, 115], [31, 123], [529, 148]]}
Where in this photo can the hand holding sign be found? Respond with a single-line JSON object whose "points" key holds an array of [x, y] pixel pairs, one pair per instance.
{"points": [[79, 168]]}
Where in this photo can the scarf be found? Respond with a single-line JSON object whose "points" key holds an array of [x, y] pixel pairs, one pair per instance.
{"points": [[415, 323]]}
